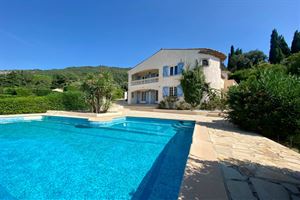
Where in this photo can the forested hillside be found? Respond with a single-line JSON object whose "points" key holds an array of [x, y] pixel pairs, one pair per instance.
{"points": [[58, 78], [30, 91]]}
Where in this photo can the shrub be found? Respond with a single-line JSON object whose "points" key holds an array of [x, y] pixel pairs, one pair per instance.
{"points": [[9, 91], [3, 96], [182, 105], [55, 101], [215, 100], [20, 105], [99, 91], [194, 85], [74, 101], [34, 104], [268, 103], [41, 91], [168, 102], [244, 74], [293, 64], [162, 104], [23, 92], [241, 75], [19, 91]]}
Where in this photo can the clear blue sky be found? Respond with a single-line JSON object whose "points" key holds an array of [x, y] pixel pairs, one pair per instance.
{"points": [[49, 34]]}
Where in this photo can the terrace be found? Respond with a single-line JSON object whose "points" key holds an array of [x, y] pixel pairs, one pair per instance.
{"points": [[145, 77]]}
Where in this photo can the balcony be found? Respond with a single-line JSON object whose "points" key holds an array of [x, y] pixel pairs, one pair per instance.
{"points": [[145, 81]]}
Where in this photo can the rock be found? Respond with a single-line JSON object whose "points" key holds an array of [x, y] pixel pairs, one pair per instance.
{"points": [[239, 190], [268, 190], [231, 173], [291, 188]]}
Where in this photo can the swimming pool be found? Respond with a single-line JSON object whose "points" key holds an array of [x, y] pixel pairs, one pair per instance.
{"points": [[71, 158]]}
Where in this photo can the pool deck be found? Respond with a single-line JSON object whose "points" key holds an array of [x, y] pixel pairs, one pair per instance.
{"points": [[225, 162]]}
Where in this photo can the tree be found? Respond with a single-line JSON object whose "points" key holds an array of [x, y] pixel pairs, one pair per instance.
{"points": [[229, 64], [293, 64], [234, 57], [59, 81], [256, 57], [239, 62], [99, 91], [268, 102], [275, 55], [295, 48], [194, 85], [284, 47], [41, 81], [278, 48]]}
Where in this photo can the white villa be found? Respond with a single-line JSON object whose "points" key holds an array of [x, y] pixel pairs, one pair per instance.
{"points": [[159, 76]]}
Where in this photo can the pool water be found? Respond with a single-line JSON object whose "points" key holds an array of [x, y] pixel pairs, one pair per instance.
{"points": [[69, 158]]}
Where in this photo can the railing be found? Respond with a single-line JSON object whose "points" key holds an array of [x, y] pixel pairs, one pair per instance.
{"points": [[145, 81]]}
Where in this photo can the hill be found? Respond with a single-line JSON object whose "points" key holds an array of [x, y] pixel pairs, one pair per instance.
{"points": [[69, 75]]}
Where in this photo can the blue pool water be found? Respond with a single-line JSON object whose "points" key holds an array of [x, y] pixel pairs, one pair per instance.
{"points": [[68, 158]]}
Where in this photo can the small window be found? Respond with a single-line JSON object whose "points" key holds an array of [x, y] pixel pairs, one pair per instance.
{"points": [[176, 70], [173, 91], [132, 95], [156, 95], [171, 71], [143, 96], [205, 62]]}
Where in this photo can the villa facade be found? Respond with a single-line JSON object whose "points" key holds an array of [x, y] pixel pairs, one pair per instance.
{"points": [[159, 76]]}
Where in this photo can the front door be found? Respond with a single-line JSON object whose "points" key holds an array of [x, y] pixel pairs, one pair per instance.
{"points": [[152, 97]]}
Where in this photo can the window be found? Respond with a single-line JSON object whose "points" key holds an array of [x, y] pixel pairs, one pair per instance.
{"points": [[171, 71], [176, 70], [132, 95], [173, 91], [204, 62], [143, 96], [156, 95]]}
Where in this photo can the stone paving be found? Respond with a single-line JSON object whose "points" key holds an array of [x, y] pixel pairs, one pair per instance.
{"points": [[253, 166]]}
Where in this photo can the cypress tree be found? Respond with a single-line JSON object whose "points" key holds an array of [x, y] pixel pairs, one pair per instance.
{"points": [[284, 47], [295, 48], [275, 54], [229, 64], [232, 50], [238, 51]]}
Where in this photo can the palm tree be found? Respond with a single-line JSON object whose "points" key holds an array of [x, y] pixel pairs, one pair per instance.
{"points": [[99, 91]]}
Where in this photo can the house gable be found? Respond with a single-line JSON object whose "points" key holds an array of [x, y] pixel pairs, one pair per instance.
{"points": [[174, 56]]}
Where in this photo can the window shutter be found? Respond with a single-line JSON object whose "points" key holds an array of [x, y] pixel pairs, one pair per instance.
{"points": [[176, 70], [179, 91], [165, 71], [180, 67], [165, 91]]}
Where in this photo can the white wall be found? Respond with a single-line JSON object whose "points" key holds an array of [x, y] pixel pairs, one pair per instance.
{"points": [[172, 58]]}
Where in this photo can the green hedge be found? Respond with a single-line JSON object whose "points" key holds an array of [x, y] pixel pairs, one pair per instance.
{"points": [[74, 101], [19, 105], [268, 103], [32, 104]]}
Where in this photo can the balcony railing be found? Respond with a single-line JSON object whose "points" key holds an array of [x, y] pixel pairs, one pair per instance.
{"points": [[145, 81]]}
